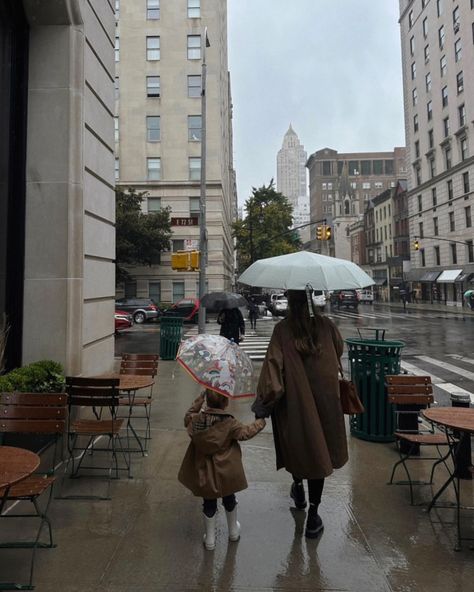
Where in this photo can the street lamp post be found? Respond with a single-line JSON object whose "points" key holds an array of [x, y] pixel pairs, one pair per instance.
{"points": [[202, 199]]}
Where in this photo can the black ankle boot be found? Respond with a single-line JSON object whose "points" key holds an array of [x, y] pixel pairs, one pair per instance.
{"points": [[314, 524], [297, 495]]}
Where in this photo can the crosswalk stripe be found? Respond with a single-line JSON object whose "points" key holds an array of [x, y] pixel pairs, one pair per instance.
{"points": [[412, 369], [461, 358], [447, 366]]}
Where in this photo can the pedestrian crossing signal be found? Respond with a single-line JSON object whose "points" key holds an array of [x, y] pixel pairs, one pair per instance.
{"points": [[416, 245]]}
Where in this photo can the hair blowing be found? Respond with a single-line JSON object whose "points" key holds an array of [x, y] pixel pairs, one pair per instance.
{"points": [[303, 327]]}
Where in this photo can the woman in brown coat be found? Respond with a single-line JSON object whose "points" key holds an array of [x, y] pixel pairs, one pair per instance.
{"points": [[299, 388], [212, 466]]}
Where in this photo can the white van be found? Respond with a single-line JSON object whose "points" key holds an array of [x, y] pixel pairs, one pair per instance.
{"points": [[366, 296]]}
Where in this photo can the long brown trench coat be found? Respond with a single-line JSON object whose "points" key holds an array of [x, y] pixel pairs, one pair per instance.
{"points": [[302, 396], [212, 466]]}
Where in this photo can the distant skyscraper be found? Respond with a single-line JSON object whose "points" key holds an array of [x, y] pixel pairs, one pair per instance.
{"points": [[291, 170]]}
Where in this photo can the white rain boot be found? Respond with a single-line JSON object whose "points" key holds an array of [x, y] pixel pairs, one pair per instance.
{"points": [[209, 538], [233, 525]]}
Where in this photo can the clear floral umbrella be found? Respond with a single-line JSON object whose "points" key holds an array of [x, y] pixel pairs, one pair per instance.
{"points": [[218, 364]]}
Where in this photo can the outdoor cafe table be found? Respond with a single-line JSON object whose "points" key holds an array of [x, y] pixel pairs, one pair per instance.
{"points": [[16, 464], [460, 420]]}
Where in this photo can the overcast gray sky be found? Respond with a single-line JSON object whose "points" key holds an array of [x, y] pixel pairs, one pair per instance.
{"points": [[330, 67]]}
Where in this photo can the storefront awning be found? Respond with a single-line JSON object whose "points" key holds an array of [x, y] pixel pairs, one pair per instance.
{"points": [[430, 276], [449, 276], [465, 277], [380, 281]]}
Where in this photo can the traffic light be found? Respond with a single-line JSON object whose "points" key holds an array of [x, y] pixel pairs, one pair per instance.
{"points": [[320, 233], [327, 233], [416, 245], [185, 260]]}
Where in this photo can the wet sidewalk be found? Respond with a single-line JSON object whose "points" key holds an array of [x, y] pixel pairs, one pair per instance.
{"points": [[148, 537], [435, 307]]}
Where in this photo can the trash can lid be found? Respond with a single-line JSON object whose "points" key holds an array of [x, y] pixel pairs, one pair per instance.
{"points": [[379, 343], [460, 397]]}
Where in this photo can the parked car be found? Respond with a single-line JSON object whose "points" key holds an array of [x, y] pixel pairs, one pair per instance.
{"points": [[123, 320], [366, 296], [141, 309], [280, 305], [188, 308], [272, 299], [319, 299], [347, 298]]}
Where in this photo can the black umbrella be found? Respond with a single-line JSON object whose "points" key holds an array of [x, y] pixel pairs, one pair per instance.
{"points": [[220, 300]]}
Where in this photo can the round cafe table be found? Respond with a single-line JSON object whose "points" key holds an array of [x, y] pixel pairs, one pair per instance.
{"points": [[16, 464]]}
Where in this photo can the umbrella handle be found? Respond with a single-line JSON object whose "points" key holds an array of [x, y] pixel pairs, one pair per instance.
{"points": [[309, 290]]}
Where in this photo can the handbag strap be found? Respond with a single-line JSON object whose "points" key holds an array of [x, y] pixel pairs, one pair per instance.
{"points": [[340, 368]]}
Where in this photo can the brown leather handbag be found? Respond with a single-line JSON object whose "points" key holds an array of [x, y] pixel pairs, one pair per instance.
{"points": [[350, 402]]}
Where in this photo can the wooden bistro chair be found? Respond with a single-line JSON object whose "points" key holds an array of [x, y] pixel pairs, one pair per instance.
{"points": [[34, 413], [139, 365], [410, 395], [101, 397]]}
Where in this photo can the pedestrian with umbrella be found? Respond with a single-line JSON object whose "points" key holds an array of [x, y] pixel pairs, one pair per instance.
{"points": [[212, 466], [299, 384], [229, 318]]}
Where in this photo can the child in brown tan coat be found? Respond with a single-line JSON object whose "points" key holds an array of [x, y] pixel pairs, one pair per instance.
{"points": [[212, 466]]}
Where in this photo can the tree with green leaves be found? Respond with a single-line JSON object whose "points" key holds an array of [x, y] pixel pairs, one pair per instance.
{"points": [[265, 230], [140, 236]]}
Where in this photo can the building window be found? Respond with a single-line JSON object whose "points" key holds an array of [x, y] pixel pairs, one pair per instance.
{"points": [[412, 46], [410, 19], [452, 225], [467, 213], [194, 8], [117, 88], [446, 127], [470, 251], [429, 110], [463, 148], [423, 260], [457, 50], [420, 202], [444, 96], [447, 158], [427, 53], [327, 167], [194, 86], [116, 129], [442, 66], [425, 27], [462, 115], [154, 291], [441, 37], [435, 226], [194, 128], [130, 289], [465, 182], [430, 138], [418, 175], [428, 82], [413, 71], [178, 291], [153, 168], [154, 204], [153, 86], [437, 256], [432, 163], [417, 153], [153, 128], [434, 197], [420, 229], [454, 254], [152, 49], [366, 168], [378, 167], [456, 19], [194, 47], [415, 122], [152, 9], [194, 168], [449, 186], [117, 9], [117, 169], [177, 244], [117, 48], [195, 208], [460, 82], [439, 7]]}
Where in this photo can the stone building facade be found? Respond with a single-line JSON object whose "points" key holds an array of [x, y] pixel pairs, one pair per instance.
{"points": [[438, 61], [158, 133], [57, 245]]}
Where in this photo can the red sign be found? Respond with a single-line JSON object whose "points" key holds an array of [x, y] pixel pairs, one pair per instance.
{"points": [[184, 221]]}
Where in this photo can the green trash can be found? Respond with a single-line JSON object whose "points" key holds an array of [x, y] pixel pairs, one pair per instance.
{"points": [[371, 360], [171, 331]]}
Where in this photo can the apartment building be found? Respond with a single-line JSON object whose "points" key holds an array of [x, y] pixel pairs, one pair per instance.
{"points": [[159, 56], [437, 40], [57, 203], [342, 184]]}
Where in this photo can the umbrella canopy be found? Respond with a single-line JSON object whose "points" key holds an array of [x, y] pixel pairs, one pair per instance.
{"points": [[218, 364], [296, 270], [467, 293], [220, 300]]}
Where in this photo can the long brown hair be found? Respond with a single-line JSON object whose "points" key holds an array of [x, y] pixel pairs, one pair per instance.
{"points": [[303, 327]]}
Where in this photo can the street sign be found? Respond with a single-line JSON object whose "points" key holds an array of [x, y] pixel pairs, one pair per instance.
{"points": [[184, 221]]}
